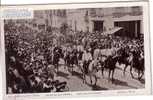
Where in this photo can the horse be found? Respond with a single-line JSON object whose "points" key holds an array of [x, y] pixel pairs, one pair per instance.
{"points": [[92, 70], [82, 69], [134, 60], [102, 59], [110, 64], [124, 57], [71, 59], [89, 68], [138, 64], [57, 54], [86, 60]]}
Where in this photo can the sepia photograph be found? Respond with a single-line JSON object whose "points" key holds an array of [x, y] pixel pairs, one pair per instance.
{"points": [[85, 49]]}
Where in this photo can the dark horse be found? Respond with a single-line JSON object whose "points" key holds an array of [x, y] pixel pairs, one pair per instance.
{"points": [[57, 54], [110, 64], [138, 64], [124, 57], [133, 60]]}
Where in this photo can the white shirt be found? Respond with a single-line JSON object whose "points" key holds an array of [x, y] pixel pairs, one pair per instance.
{"points": [[96, 53], [86, 56]]}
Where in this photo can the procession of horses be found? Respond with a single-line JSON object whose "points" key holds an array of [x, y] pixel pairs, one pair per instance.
{"points": [[34, 58]]}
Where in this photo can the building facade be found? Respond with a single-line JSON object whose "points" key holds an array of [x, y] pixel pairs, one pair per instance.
{"points": [[103, 20], [107, 19], [50, 18]]}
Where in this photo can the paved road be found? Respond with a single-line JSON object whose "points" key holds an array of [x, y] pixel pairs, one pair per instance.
{"points": [[121, 82]]}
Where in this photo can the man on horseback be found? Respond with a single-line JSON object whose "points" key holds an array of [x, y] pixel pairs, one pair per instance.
{"points": [[56, 57], [86, 58], [138, 63]]}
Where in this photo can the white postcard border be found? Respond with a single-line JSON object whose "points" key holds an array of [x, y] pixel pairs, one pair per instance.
{"points": [[145, 91]]}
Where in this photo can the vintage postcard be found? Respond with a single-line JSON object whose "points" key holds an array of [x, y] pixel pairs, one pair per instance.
{"points": [[75, 49]]}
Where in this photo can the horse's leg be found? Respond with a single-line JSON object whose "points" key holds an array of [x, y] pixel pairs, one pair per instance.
{"points": [[109, 73], [65, 64], [102, 71], [125, 69], [72, 68], [90, 79], [83, 77], [95, 80], [56, 70], [67, 68], [138, 74], [131, 72], [113, 75], [142, 73]]}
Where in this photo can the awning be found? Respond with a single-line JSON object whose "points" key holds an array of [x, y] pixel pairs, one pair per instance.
{"points": [[112, 31]]}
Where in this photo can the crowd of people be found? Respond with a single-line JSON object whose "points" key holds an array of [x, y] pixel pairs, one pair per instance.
{"points": [[32, 56]]}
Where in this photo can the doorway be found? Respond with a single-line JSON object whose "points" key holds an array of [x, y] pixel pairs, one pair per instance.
{"points": [[98, 26]]}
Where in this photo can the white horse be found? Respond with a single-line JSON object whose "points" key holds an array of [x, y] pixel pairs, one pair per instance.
{"points": [[93, 69]]}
